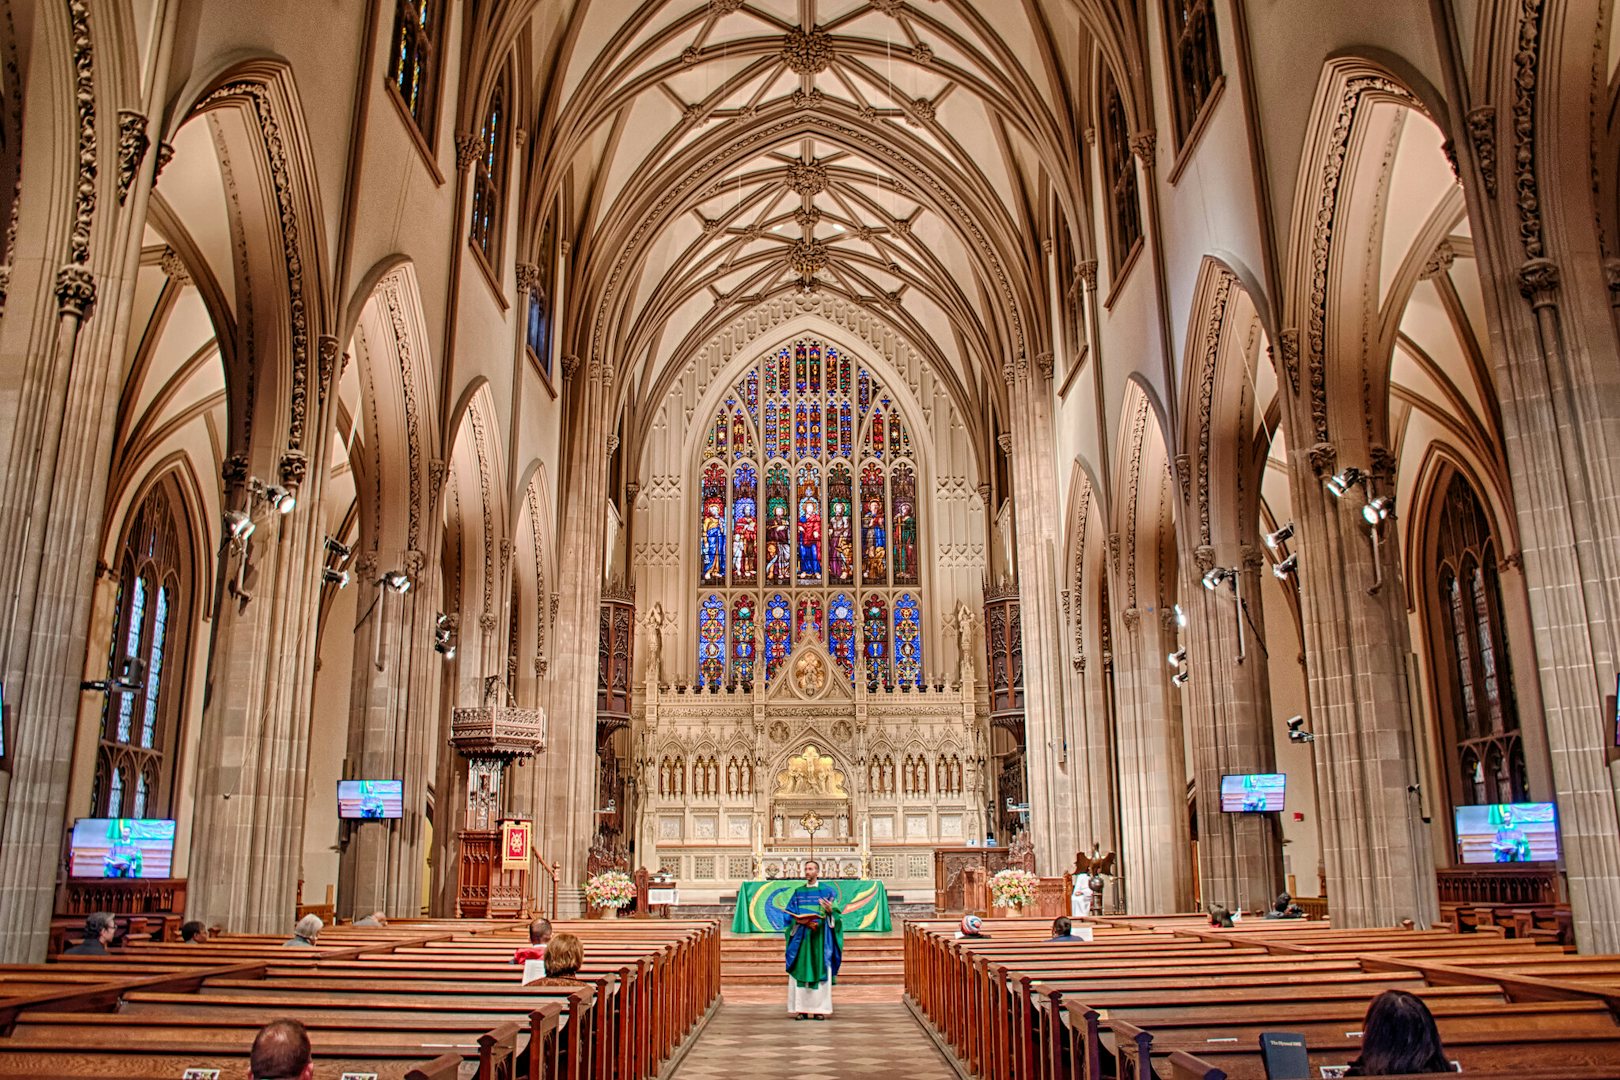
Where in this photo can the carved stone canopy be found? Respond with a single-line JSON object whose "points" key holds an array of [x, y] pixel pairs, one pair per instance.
{"points": [[811, 773]]}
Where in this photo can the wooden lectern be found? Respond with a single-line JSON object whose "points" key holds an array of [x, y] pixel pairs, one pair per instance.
{"points": [[490, 881]]}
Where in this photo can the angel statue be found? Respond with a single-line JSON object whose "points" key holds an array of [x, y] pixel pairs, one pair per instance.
{"points": [[655, 643], [965, 625]]}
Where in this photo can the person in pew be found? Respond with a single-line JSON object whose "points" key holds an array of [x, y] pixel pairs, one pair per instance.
{"points": [[563, 957], [535, 950], [99, 931], [281, 1052], [815, 945], [372, 921], [305, 933], [1279, 910], [973, 927], [1398, 1037], [194, 932], [1219, 917], [1063, 930]]}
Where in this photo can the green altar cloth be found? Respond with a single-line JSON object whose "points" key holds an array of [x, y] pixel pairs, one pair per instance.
{"points": [[760, 906]]}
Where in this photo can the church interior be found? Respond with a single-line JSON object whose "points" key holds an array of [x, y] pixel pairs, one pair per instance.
{"points": [[1159, 442]]}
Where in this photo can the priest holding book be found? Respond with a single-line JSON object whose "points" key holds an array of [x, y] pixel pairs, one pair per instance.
{"points": [[815, 946]]}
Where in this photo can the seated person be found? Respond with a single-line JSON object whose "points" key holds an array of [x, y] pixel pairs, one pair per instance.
{"points": [[99, 931], [194, 932], [539, 937], [972, 927], [1399, 1036], [1063, 930], [305, 933], [1294, 912], [564, 955], [1279, 910], [281, 1052], [376, 918], [1219, 917]]}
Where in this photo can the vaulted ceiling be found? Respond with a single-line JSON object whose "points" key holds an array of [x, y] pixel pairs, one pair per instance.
{"points": [[717, 153]]}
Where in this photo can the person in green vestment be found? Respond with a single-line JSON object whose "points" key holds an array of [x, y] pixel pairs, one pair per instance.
{"points": [[815, 946]]}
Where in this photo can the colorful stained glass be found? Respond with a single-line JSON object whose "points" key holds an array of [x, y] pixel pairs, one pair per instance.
{"points": [[807, 618], [863, 392], [838, 380], [137, 618], [801, 368], [742, 640], [814, 349], [815, 431], [907, 642], [784, 381], [744, 525], [774, 422], [844, 431], [802, 446], [154, 667], [875, 442], [809, 521], [748, 390], [899, 437], [713, 538], [712, 641], [778, 528], [875, 638], [715, 444], [903, 488], [841, 633], [840, 527], [742, 444], [874, 534], [777, 629]]}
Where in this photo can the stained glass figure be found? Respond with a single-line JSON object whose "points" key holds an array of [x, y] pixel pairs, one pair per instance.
{"points": [[778, 528], [742, 640], [802, 445], [744, 525], [875, 637], [875, 442], [809, 524], [801, 366], [843, 431], [713, 540], [807, 619], [741, 445], [784, 382], [815, 431], [903, 486], [841, 633], [777, 630], [712, 641], [907, 642], [715, 444], [874, 535], [899, 437], [814, 349], [840, 527]]}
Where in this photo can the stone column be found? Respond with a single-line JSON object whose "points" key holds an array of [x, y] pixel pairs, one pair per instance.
{"points": [[1380, 868], [1050, 784], [565, 806], [1226, 707], [393, 718]]}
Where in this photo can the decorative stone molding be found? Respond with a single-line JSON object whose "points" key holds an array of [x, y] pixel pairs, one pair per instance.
{"points": [[1131, 617], [1381, 462], [488, 622], [1113, 543], [328, 357], [811, 100], [233, 471], [1088, 273], [807, 178], [570, 364], [1288, 353], [1538, 281], [84, 189], [1144, 144], [612, 445], [1251, 557], [437, 470], [1204, 558], [412, 561], [1526, 72], [1324, 457], [75, 291], [1482, 133], [1439, 262], [807, 52], [174, 267], [1183, 471], [132, 146], [1513, 560], [1005, 441], [528, 278], [808, 255], [165, 154], [468, 149], [294, 467], [1044, 364], [919, 111]]}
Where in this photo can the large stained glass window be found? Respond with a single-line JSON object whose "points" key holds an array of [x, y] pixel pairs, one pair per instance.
{"points": [[807, 490]]}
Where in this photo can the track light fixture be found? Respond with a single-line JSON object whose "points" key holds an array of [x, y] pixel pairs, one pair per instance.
{"points": [[444, 636], [1179, 679], [336, 549], [1286, 568], [397, 580], [1297, 732], [1218, 576], [1177, 658], [340, 578], [281, 499], [1341, 482], [1274, 540], [1379, 510], [238, 525], [1181, 616]]}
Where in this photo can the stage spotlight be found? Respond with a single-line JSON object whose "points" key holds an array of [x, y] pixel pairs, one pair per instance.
{"points": [[1214, 578], [279, 497], [1342, 482], [1379, 510], [238, 525], [1179, 679], [1288, 566], [1181, 616], [397, 580], [1280, 537], [333, 547], [340, 578], [1177, 658], [1297, 732], [1295, 723], [444, 635]]}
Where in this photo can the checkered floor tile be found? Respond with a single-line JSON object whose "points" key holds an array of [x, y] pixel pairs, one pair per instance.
{"points": [[762, 1042]]}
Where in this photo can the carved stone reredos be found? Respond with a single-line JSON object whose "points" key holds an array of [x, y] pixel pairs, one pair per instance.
{"points": [[810, 674]]}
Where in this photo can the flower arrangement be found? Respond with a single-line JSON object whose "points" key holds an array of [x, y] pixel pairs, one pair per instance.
{"points": [[610, 889], [1013, 888]]}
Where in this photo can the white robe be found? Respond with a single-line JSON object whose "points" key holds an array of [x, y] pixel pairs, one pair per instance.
{"points": [[817, 1002], [1080, 899]]}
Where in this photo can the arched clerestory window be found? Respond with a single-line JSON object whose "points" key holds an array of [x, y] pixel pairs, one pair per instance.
{"points": [[413, 61], [809, 523], [1195, 59], [1480, 720], [1119, 175], [135, 756], [489, 176]]}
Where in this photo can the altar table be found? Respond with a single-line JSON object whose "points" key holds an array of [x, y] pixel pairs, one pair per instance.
{"points": [[760, 906]]}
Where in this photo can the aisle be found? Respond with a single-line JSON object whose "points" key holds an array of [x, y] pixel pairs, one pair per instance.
{"points": [[762, 1042]]}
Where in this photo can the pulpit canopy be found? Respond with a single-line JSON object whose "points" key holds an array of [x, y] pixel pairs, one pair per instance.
{"points": [[498, 731]]}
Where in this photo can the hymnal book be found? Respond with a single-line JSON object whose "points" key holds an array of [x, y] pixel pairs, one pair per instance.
{"points": [[1284, 1055], [811, 921]]}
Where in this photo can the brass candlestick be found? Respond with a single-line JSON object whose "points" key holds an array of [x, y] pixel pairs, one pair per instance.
{"points": [[812, 823]]}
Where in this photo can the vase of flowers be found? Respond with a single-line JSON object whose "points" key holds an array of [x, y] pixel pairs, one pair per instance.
{"points": [[1013, 890], [609, 891]]}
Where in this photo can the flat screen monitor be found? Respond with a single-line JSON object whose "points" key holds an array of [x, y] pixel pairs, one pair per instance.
{"points": [[371, 800], [121, 848], [1253, 793], [1507, 833]]}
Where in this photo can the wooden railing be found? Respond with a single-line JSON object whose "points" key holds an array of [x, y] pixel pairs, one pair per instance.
{"points": [[1500, 885], [551, 871]]}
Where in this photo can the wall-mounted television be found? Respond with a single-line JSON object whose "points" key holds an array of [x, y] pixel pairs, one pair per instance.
{"points": [[371, 800], [1507, 833], [1253, 793], [121, 848]]}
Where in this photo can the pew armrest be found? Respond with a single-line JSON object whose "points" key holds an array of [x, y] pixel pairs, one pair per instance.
{"points": [[1183, 1066], [443, 1067]]}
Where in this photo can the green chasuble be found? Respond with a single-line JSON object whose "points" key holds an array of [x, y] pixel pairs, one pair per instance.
{"points": [[814, 953]]}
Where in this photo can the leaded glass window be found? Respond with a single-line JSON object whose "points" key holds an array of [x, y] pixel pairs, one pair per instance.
{"points": [[489, 176], [808, 487], [413, 67]]}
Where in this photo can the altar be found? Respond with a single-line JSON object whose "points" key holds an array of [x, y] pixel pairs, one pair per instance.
{"points": [[760, 906]]}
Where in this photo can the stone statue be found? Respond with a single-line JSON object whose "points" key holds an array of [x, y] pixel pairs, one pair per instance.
{"points": [[655, 643], [965, 625]]}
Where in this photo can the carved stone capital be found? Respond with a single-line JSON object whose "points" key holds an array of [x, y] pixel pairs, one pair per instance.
{"points": [[612, 445], [488, 622], [165, 154], [1044, 363], [1288, 353], [1143, 145], [1251, 557], [1381, 462], [1204, 558], [528, 278], [132, 146], [570, 364], [412, 561], [1088, 273], [1482, 133], [233, 471], [1131, 617], [1324, 458], [468, 149], [75, 291], [329, 358], [174, 267], [1005, 441], [1538, 281]]}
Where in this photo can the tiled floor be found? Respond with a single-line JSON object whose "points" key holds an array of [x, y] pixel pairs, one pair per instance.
{"points": [[762, 1042]]}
